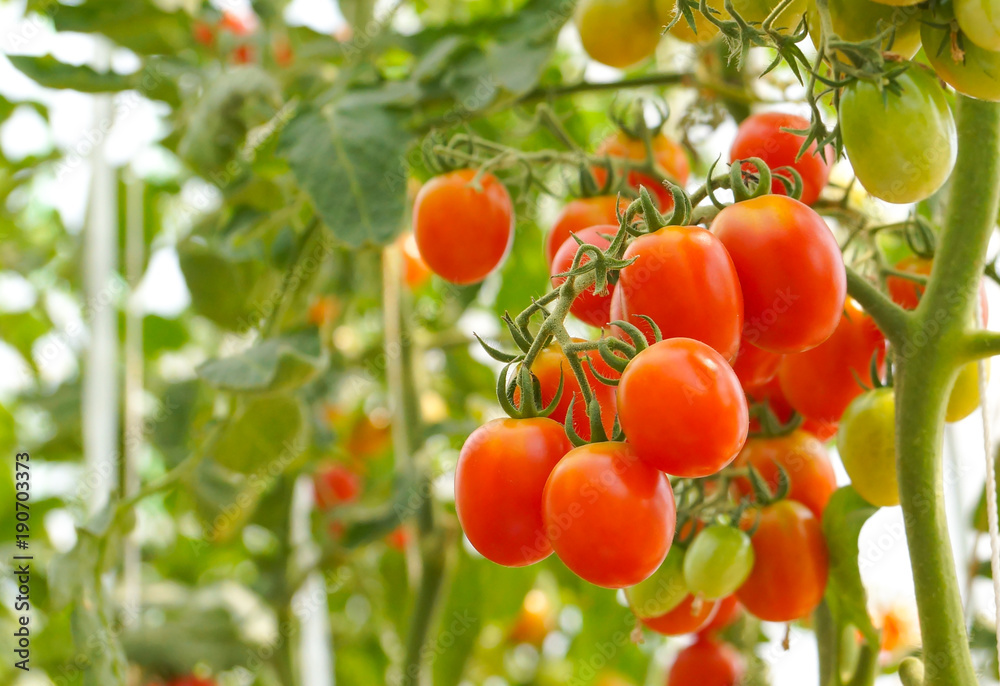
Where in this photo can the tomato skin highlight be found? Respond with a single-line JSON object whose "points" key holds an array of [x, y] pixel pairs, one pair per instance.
{"points": [[761, 135], [805, 461], [692, 266], [820, 383], [690, 616], [789, 577], [447, 212], [499, 481], [682, 408], [669, 156], [790, 269], [588, 307], [610, 517], [718, 561], [578, 215], [867, 446], [902, 148], [707, 663]]}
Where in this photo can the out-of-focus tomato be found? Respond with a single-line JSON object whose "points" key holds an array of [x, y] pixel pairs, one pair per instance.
{"points": [[191, 681], [804, 459], [588, 307], [668, 155], [618, 33], [323, 310], [284, 56], [685, 281], [415, 270], [862, 20], [821, 382], [790, 572], [692, 615], [763, 135], [754, 366], [550, 365], [771, 394], [535, 619], [243, 54], [499, 480], [609, 515], [867, 446], [902, 145], [682, 408], [729, 611], [447, 210], [707, 663], [334, 485], [203, 33], [790, 269], [578, 215], [239, 23], [399, 538]]}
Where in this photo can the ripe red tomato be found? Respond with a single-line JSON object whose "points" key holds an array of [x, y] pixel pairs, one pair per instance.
{"points": [[243, 54], [906, 293], [499, 481], [463, 233], [549, 365], [775, 399], [707, 663], [190, 681], [334, 485], [609, 515], [790, 269], [693, 614], [754, 366], [821, 382], [399, 538], [729, 611], [805, 461], [578, 215], [682, 408], [760, 135], [669, 156], [588, 307], [789, 577], [203, 33], [683, 279]]}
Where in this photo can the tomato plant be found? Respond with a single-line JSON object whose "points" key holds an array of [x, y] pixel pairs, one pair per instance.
{"points": [[617, 33], [663, 591], [978, 20]]}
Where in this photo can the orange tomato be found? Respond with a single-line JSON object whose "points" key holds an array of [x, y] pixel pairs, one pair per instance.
{"points": [[691, 615], [578, 215], [668, 155]]}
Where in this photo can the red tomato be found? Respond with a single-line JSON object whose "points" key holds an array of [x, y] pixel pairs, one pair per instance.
{"points": [[190, 681], [685, 281], [463, 233], [760, 135], [334, 485], [243, 54], [707, 663], [805, 461], [682, 409], [790, 269], [203, 33], [775, 399], [238, 24], [691, 615], [906, 293], [499, 480], [580, 214], [820, 383], [549, 365], [789, 575], [610, 516], [727, 614], [668, 154], [588, 307], [754, 366], [398, 539]]}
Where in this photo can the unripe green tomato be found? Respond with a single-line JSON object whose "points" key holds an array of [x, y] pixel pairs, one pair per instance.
{"points": [[618, 33], [980, 21], [964, 398], [977, 75], [858, 20], [866, 441], [718, 561], [902, 145], [663, 591]]}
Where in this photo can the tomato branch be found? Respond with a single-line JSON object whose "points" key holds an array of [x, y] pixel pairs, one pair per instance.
{"points": [[980, 344], [891, 319]]}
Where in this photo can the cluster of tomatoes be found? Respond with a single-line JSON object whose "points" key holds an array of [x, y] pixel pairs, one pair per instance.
{"points": [[241, 26]]}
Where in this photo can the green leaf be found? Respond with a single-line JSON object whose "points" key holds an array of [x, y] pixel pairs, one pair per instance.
{"points": [[138, 25], [267, 434], [845, 514], [51, 73], [276, 364], [350, 161]]}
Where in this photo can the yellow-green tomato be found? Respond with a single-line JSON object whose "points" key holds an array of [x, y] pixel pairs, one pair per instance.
{"points": [[859, 20], [663, 591], [703, 31], [866, 441], [718, 561], [980, 21], [977, 74], [618, 33], [902, 145], [756, 11], [964, 398]]}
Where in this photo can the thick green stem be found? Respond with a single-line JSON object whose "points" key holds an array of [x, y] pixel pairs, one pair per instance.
{"points": [[928, 360]]}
